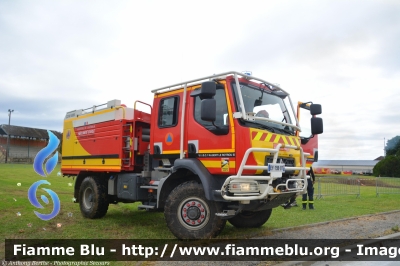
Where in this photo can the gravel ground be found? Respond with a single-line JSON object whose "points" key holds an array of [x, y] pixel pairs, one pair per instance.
{"points": [[363, 227]]}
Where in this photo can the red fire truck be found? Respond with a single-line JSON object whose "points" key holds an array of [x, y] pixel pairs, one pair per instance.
{"points": [[226, 147]]}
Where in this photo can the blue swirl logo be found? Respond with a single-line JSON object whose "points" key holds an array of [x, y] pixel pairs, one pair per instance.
{"points": [[38, 165], [44, 153], [32, 198]]}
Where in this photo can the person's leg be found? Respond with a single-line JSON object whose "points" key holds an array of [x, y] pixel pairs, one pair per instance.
{"points": [[304, 201], [289, 204], [310, 192]]}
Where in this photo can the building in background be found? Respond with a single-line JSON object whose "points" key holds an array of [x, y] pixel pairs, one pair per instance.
{"points": [[346, 167], [25, 142]]}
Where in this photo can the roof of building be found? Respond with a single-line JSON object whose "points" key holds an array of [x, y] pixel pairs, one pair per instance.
{"points": [[26, 132], [345, 163]]}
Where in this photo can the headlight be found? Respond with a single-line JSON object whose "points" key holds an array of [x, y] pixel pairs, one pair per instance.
{"points": [[243, 187]]}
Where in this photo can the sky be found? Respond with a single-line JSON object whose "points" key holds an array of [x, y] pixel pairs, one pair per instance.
{"points": [[59, 56]]}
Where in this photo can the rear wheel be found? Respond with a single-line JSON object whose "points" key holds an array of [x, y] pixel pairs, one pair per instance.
{"points": [[189, 215], [247, 219], [93, 197]]}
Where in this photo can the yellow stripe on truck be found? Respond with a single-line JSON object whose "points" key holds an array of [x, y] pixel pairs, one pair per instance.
{"points": [[216, 164]]}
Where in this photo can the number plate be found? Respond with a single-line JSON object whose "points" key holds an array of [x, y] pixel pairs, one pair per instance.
{"points": [[276, 167]]}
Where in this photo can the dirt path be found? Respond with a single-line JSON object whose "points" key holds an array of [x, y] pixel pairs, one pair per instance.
{"points": [[365, 227]]}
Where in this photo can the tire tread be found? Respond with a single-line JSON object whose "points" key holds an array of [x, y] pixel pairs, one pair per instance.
{"points": [[101, 202]]}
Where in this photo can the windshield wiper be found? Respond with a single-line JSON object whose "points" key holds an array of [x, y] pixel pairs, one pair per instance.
{"points": [[262, 126], [285, 130]]}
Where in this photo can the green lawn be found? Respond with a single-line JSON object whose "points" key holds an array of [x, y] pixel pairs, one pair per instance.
{"points": [[124, 221]]}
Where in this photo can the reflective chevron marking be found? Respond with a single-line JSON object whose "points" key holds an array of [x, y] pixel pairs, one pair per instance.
{"points": [[274, 138]]}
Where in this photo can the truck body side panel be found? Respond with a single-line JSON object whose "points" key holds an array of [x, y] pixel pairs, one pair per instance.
{"points": [[96, 141]]}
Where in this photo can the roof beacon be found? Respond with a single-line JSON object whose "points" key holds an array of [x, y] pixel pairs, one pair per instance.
{"points": [[248, 73]]}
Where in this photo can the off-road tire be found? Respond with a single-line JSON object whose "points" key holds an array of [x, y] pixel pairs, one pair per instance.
{"points": [[247, 219], [189, 215], [93, 197]]}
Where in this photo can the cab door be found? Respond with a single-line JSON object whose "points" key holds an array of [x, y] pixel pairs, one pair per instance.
{"points": [[212, 142], [165, 130]]}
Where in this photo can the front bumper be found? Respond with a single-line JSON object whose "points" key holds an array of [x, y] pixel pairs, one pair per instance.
{"points": [[268, 187]]}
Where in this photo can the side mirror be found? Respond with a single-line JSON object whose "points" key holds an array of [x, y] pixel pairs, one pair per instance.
{"points": [[315, 156], [317, 126], [208, 110], [206, 91], [315, 109]]}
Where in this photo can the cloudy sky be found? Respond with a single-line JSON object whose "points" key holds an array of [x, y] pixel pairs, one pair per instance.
{"points": [[58, 56]]}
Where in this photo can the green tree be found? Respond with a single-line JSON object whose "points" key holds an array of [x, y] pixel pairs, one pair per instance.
{"points": [[378, 168], [390, 166], [392, 145]]}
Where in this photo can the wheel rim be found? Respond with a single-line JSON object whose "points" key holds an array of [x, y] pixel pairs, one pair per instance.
{"points": [[88, 198], [193, 213]]}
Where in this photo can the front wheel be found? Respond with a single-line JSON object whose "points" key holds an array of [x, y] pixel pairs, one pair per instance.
{"points": [[93, 197], [189, 215], [247, 219]]}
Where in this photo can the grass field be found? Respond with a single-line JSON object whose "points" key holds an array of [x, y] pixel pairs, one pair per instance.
{"points": [[125, 221]]}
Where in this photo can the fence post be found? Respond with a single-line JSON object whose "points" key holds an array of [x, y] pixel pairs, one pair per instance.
{"points": [[319, 193]]}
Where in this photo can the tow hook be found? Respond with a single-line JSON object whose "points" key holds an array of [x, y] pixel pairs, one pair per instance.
{"points": [[227, 214]]}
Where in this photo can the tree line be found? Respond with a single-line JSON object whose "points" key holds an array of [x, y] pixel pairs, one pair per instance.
{"points": [[390, 165]]}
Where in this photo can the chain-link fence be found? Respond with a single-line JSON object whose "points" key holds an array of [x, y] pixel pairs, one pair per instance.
{"points": [[387, 185], [342, 185], [337, 185]]}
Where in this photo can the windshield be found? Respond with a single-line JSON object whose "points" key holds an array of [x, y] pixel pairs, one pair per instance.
{"points": [[262, 102]]}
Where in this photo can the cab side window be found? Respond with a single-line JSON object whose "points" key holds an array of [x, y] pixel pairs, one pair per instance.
{"points": [[168, 112], [220, 126]]}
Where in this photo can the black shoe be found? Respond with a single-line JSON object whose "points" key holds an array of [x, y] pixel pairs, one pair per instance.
{"points": [[287, 206]]}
